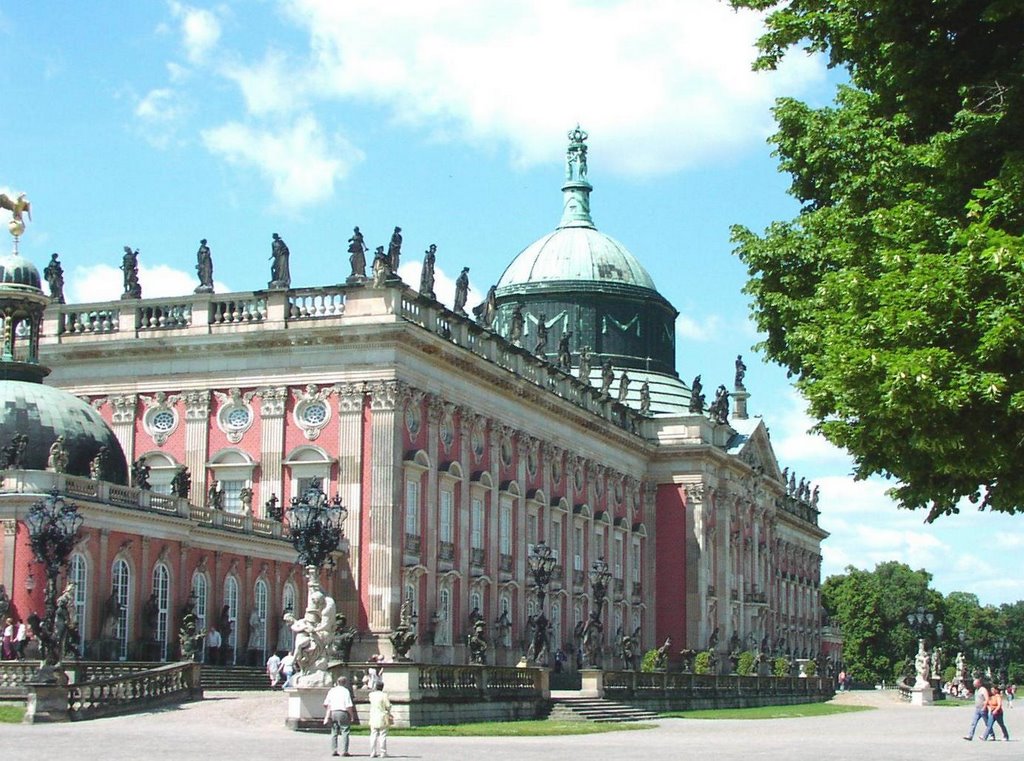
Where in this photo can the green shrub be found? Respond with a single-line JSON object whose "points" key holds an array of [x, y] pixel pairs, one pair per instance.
{"points": [[702, 663], [745, 665], [810, 668], [780, 667], [949, 673], [650, 658]]}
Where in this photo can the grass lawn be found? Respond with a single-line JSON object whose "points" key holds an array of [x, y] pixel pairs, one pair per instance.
{"points": [[11, 714], [767, 712], [506, 729], [952, 703]]}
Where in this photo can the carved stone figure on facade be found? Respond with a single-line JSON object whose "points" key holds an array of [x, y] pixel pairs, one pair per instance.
{"points": [[629, 649], [687, 657], [150, 617], [181, 482], [564, 353], [623, 387], [516, 325], [215, 496], [357, 256], [140, 475], [477, 643], [57, 460], [280, 269], [204, 268], [538, 650], [395, 250], [99, 468], [719, 409], [110, 617], [344, 638], [814, 497], [486, 310], [245, 495], [540, 345], [130, 268], [607, 376], [713, 640], [427, 273], [697, 396], [189, 634], [257, 631], [584, 371], [272, 509], [593, 652], [404, 635], [461, 292], [741, 373], [645, 398], [5, 603], [54, 274]]}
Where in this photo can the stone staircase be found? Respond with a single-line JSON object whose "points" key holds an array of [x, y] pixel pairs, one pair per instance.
{"points": [[234, 678], [596, 709]]}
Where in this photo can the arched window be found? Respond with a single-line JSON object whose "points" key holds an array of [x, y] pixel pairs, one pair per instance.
{"points": [[162, 590], [285, 637], [444, 616], [78, 573], [476, 601], [258, 622], [505, 615], [201, 593], [231, 600], [556, 627], [122, 576]]}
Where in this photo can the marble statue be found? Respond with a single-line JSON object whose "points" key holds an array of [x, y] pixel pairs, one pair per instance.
{"points": [[280, 270], [477, 644], [623, 387], [540, 346], [486, 310], [395, 250], [404, 635], [461, 292], [181, 483], [697, 396], [111, 616], [313, 635], [381, 267], [257, 631], [921, 665], [584, 371], [607, 376], [215, 496], [936, 664], [629, 650], [645, 398], [54, 274], [564, 353], [57, 461], [538, 650], [427, 273], [204, 268], [357, 255], [245, 495], [516, 325], [741, 372], [140, 475]]}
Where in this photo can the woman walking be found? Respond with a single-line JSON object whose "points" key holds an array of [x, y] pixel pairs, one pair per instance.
{"points": [[995, 715]]}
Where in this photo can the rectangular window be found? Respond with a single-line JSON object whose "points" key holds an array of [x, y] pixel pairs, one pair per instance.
{"points": [[444, 520], [505, 530], [232, 495], [577, 549], [476, 540], [531, 529], [619, 555], [412, 508], [599, 550], [636, 561]]}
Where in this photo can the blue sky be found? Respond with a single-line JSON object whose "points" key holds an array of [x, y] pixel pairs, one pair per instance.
{"points": [[154, 124]]}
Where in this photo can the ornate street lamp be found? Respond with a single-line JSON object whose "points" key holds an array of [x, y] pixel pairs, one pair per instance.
{"points": [[541, 562], [1000, 648], [53, 526], [315, 525]]}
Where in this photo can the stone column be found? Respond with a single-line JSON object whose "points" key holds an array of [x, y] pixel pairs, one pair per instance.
{"points": [[385, 508], [7, 570], [124, 407], [350, 482], [430, 548], [272, 403], [197, 422]]}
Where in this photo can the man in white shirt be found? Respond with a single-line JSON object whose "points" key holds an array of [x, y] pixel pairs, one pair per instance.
{"points": [[20, 640], [339, 713], [274, 669], [380, 720], [213, 641]]}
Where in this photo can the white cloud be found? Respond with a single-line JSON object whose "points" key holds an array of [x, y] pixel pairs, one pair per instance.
{"points": [[662, 85], [301, 162], [103, 282], [200, 30], [796, 446], [269, 86], [444, 285], [706, 328], [159, 105]]}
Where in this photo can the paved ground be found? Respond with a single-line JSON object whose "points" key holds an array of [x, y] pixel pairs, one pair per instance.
{"points": [[250, 726]]}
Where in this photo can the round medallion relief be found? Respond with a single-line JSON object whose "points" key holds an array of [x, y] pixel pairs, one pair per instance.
{"points": [[413, 419], [478, 443]]}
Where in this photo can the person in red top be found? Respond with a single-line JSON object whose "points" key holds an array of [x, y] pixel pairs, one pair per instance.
{"points": [[995, 715]]}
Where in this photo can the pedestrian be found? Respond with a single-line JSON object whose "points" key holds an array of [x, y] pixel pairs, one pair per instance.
{"points": [[980, 707], [995, 715], [1011, 692], [842, 680], [339, 713], [288, 669], [213, 641], [20, 640], [274, 669], [7, 641], [380, 720]]}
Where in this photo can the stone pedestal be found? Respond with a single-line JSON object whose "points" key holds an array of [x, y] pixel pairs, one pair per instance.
{"points": [[592, 683], [47, 697], [922, 694], [305, 707]]}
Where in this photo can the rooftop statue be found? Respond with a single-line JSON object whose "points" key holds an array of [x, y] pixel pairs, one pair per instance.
{"points": [[461, 292], [741, 372], [564, 353], [99, 468], [357, 255], [12, 455], [280, 271], [719, 409], [486, 310], [607, 376], [140, 475], [576, 156], [130, 268], [697, 396], [54, 275], [584, 371], [18, 207], [427, 273], [645, 398], [381, 267], [395, 250], [541, 344], [623, 387], [204, 268], [57, 461], [516, 325], [181, 483]]}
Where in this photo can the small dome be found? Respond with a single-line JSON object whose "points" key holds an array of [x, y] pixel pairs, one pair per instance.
{"points": [[43, 413], [576, 254], [15, 270]]}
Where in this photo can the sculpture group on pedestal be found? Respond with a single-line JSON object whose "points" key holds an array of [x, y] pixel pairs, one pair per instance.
{"points": [[314, 633]]}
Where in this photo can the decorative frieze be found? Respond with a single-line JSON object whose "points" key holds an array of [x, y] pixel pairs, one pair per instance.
{"points": [[272, 401], [234, 414]]}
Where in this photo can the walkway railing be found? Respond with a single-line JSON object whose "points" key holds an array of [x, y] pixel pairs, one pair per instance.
{"points": [[128, 693]]}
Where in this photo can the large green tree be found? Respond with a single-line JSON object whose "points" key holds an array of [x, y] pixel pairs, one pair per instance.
{"points": [[896, 296]]}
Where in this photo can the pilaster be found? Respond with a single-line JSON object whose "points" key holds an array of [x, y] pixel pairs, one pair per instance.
{"points": [[197, 422], [350, 398], [272, 404], [385, 507], [123, 415]]}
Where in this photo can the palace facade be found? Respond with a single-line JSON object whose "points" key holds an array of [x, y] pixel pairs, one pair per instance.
{"points": [[456, 444]]}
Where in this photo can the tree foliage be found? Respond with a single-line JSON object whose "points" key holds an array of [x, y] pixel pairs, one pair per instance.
{"points": [[896, 296]]}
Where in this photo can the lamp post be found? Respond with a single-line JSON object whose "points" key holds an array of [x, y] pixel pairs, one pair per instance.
{"points": [[541, 562], [53, 526], [1000, 648]]}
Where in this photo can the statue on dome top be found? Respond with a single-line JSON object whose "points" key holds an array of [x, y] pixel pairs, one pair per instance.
{"points": [[576, 156]]}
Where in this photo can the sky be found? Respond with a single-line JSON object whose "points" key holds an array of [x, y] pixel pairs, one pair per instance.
{"points": [[154, 124]]}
